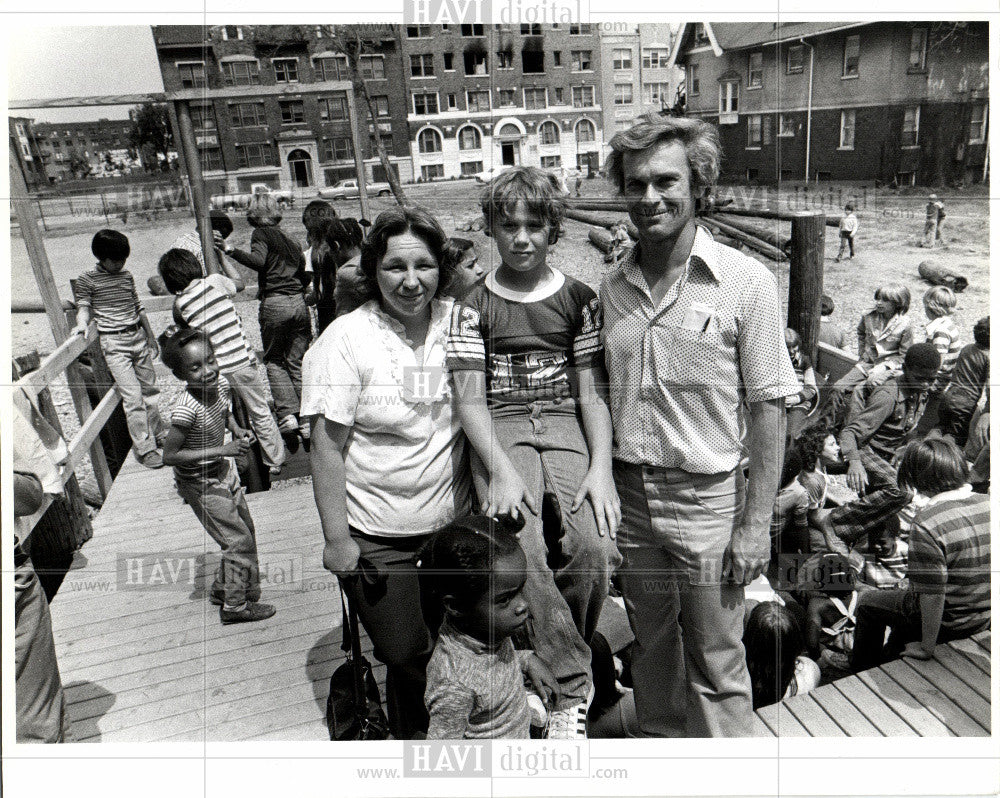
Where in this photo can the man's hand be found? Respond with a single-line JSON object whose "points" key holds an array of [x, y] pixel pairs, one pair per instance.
{"points": [[236, 448], [341, 558], [857, 477], [599, 486], [505, 494], [542, 680], [746, 557], [916, 650]]}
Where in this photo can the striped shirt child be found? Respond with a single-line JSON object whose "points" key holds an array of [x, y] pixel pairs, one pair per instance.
{"points": [[947, 339], [204, 427], [112, 299], [207, 305]]}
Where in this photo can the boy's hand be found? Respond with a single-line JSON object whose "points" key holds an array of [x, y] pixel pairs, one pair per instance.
{"points": [[79, 329], [244, 435], [599, 486], [505, 494], [341, 558], [218, 240], [236, 448], [310, 297], [543, 681], [154, 348]]}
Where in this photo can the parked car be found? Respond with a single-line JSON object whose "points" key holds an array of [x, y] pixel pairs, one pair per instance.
{"points": [[232, 202], [348, 189], [488, 174]]}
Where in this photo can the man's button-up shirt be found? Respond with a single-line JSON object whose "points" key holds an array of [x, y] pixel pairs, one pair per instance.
{"points": [[681, 372]]}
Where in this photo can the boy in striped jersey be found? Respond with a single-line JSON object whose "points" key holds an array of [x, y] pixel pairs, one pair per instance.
{"points": [[107, 296], [939, 304], [204, 476], [206, 304]]}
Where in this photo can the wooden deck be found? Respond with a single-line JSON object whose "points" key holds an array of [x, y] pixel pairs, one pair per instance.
{"points": [[151, 662]]}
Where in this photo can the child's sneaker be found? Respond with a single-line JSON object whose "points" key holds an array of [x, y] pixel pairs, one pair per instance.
{"points": [[569, 723], [153, 459], [247, 614]]}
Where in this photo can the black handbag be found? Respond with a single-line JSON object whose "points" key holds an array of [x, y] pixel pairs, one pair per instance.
{"points": [[354, 706]]}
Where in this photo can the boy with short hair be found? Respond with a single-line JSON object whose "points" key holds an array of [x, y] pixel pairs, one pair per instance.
{"points": [[848, 229], [527, 365], [107, 296]]}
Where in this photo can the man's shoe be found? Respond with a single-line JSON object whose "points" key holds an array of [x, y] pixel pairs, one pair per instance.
{"points": [[249, 614], [218, 598], [153, 459], [288, 425]]}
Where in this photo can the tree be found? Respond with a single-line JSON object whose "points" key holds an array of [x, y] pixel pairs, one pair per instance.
{"points": [[151, 134], [78, 163]]}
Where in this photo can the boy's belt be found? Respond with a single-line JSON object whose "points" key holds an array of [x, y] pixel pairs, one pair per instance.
{"points": [[121, 330]]}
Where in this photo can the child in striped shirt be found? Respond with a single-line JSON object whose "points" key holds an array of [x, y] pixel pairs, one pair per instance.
{"points": [[939, 304], [206, 479], [206, 303], [107, 296]]}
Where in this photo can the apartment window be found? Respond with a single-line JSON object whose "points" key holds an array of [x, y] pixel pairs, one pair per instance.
{"points": [[429, 141], [585, 131], [286, 70], [231, 32], [425, 103], [729, 97], [211, 159], [202, 117], [433, 171], [241, 73], [621, 59], [334, 68], [422, 66], [583, 96], [977, 124], [339, 148], [654, 58], [548, 133], [505, 60], [755, 71], [796, 59], [192, 74], [333, 109], [700, 34], [506, 99], [623, 94], [847, 130], [477, 101], [372, 67], [381, 104], [918, 50], [452, 102], [852, 56], [534, 99], [472, 30], [655, 93], [247, 115], [475, 63], [253, 155], [786, 125], [531, 30], [911, 127], [551, 161], [532, 62], [557, 58], [470, 168], [469, 138], [292, 111], [418, 31], [449, 62], [576, 29], [691, 82], [768, 130], [580, 59], [558, 96], [755, 127]]}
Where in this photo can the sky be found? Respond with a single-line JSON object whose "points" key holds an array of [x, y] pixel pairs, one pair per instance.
{"points": [[80, 61]]}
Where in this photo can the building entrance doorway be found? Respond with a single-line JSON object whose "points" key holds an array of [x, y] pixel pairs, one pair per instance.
{"points": [[300, 168], [510, 153]]}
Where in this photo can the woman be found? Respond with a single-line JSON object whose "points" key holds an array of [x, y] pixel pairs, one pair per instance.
{"points": [[284, 320], [388, 455]]}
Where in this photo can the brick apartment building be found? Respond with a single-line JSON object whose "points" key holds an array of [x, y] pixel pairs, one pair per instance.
{"points": [[93, 140], [889, 101], [26, 145], [269, 103], [481, 96]]}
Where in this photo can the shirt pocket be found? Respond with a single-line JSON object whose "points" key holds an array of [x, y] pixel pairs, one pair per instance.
{"points": [[684, 357]]}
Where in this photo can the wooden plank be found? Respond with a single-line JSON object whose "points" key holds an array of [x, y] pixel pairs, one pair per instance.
{"points": [[877, 711], [54, 364], [761, 729], [964, 669], [972, 651], [809, 712], [916, 715], [781, 722], [983, 638], [844, 713], [90, 430], [957, 690], [929, 696]]}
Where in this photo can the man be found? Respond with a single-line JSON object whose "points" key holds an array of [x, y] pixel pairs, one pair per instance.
{"points": [[693, 336], [877, 428]]}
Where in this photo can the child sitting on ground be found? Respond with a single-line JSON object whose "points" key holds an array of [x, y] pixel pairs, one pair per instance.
{"points": [[939, 304], [204, 476], [474, 570], [829, 332], [968, 381], [775, 650], [107, 295], [885, 556], [799, 405]]}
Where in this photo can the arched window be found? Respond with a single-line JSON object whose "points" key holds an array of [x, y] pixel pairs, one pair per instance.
{"points": [[549, 133], [509, 131], [429, 140], [469, 139], [585, 131]]}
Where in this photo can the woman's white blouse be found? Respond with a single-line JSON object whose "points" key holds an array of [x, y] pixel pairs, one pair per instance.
{"points": [[405, 461]]}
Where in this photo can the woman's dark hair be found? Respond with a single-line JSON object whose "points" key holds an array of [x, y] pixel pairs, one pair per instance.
{"points": [[932, 466], [110, 245], [178, 268], [316, 219], [396, 221], [172, 343], [773, 639], [810, 443], [792, 465], [458, 559], [343, 235], [221, 222]]}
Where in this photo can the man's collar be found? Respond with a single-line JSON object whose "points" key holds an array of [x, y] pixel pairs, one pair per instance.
{"points": [[702, 252]]}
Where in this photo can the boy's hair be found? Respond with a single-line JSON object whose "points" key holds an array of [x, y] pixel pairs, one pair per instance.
{"points": [[939, 301], [178, 268], [538, 190], [922, 356], [263, 211], [700, 140], [981, 332], [172, 343], [221, 223], [849, 207], [810, 444], [826, 306], [316, 218], [814, 483], [899, 295], [932, 466], [773, 639], [457, 560], [110, 245], [792, 338]]}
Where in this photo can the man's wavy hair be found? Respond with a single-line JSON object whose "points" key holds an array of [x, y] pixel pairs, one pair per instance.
{"points": [[700, 140]]}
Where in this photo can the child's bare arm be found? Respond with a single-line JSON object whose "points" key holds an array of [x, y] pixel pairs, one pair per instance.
{"points": [[174, 455], [150, 335], [598, 484], [931, 612], [82, 320]]}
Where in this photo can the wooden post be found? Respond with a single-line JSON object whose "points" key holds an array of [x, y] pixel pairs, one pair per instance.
{"points": [[805, 277], [185, 129], [41, 215], [359, 161]]}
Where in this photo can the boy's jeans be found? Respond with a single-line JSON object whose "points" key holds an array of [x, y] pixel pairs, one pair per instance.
{"points": [[285, 331], [545, 442], [131, 364], [247, 384]]}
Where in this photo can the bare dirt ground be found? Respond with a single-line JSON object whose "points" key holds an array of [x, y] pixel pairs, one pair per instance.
{"points": [[887, 243]]}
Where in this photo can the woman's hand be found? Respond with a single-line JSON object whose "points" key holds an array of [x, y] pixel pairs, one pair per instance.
{"points": [[341, 557], [599, 486], [543, 681]]}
